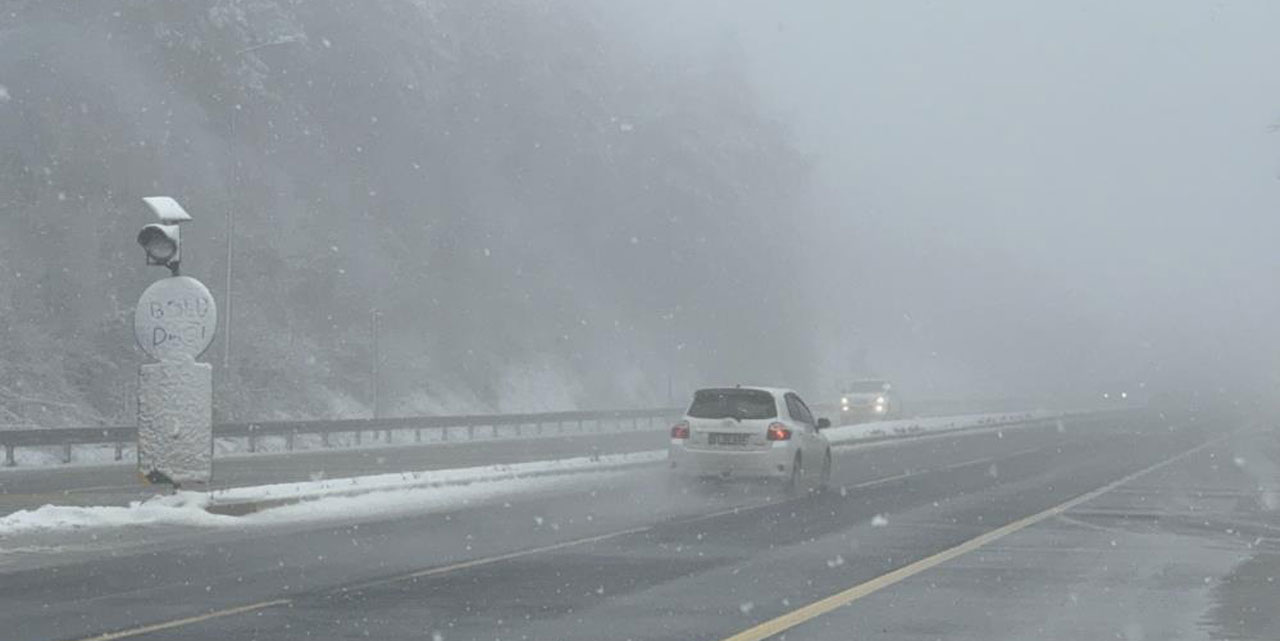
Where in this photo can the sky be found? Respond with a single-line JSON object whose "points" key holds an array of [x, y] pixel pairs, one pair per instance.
{"points": [[1076, 190]]}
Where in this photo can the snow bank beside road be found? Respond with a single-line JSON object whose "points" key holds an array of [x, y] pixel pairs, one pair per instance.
{"points": [[328, 499], [432, 478], [845, 434], [181, 509]]}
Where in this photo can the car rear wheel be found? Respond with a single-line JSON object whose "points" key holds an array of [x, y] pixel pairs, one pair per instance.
{"points": [[797, 475], [825, 480]]}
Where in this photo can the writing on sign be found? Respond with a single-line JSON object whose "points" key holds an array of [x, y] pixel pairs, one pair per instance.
{"points": [[176, 319]]}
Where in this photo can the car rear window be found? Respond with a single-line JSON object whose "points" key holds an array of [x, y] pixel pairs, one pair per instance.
{"points": [[742, 404]]}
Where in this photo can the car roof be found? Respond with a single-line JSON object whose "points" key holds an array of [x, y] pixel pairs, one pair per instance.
{"points": [[776, 391]]}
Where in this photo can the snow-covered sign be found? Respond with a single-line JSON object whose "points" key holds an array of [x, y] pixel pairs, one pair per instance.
{"points": [[175, 319]]}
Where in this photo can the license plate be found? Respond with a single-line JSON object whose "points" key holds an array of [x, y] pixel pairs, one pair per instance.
{"points": [[716, 438]]}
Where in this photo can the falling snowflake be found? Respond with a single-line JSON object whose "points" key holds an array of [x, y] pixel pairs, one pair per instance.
{"points": [[879, 521], [836, 562], [746, 607]]}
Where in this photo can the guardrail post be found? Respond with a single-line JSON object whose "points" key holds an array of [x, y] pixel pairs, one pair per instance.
{"points": [[66, 452], [517, 429], [560, 427], [388, 435], [580, 426], [495, 430], [288, 440], [253, 440], [635, 423], [471, 432], [444, 433], [538, 426], [358, 437], [9, 460], [324, 439], [417, 434], [119, 450]]}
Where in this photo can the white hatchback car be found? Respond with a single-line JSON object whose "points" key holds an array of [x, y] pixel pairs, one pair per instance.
{"points": [[754, 432]]}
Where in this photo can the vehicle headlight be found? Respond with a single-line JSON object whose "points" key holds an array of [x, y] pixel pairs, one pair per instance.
{"points": [[879, 400]]}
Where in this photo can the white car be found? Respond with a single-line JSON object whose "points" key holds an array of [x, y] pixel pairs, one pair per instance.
{"points": [[751, 432], [868, 400]]}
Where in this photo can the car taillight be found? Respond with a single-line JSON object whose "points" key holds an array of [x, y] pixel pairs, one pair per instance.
{"points": [[680, 430], [778, 432]]}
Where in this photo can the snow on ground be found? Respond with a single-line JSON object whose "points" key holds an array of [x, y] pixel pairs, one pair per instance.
{"points": [[183, 508], [331, 499], [907, 427], [415, 491], [418, 500], [433, 478]]}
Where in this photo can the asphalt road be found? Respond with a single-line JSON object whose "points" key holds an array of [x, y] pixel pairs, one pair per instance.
{"points": [[1132, 529]]}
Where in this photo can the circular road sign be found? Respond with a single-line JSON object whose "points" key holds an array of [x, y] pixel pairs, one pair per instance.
{"points": [[175, 319]]}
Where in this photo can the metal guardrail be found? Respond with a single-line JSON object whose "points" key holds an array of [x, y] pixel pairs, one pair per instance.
{"points": [[539, 423]]}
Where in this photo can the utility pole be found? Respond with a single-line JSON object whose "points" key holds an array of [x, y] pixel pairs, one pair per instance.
{"points": [[226, 334], [235, 190], [374, 373]]}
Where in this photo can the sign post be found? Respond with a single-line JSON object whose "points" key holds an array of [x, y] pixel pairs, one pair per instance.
{"points": [[174, 323]]}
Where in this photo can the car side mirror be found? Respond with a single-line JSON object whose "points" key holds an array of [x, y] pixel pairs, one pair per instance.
{"points": [[824, 423]]}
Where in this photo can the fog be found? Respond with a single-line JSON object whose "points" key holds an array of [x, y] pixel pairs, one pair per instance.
{"points": [[1019, 197], [597, 204]]}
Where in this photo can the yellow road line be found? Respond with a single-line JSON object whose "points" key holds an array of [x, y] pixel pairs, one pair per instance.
{"points": [[177, 623], [840, 599]]}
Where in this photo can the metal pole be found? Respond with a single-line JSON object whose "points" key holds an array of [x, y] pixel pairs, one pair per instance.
{"points": [[373, 322], [235, 189]]}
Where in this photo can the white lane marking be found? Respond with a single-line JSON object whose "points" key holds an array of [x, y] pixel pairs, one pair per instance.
{"points": [[177, 623], [463, 565], [889, 479], [1074, 522]]}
